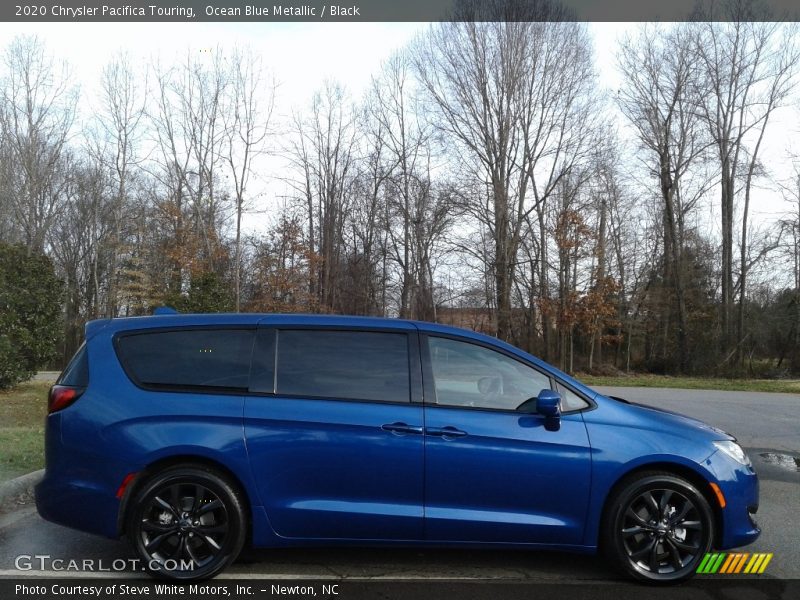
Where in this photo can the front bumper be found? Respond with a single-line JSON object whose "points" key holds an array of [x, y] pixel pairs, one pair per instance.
{"points": [[739, 485]]}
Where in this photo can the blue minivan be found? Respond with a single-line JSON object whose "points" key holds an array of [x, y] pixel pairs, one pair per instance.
{"points": [[195, 434]]}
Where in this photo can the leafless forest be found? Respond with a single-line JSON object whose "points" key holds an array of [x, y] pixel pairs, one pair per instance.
{"points": [[485, 180]]}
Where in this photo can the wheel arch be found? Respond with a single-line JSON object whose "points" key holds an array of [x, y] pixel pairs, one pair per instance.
{"points": [[166, 462], [696, 478]]}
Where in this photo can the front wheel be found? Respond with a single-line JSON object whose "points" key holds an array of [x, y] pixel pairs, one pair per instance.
{"points": [[658, 528], [186, 523]]}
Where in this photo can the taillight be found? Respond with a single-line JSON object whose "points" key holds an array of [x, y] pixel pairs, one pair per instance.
{"points": [[61, 396]]}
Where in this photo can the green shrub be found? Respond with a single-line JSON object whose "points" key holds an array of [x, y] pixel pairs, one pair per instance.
{"points": [[30, 313]]}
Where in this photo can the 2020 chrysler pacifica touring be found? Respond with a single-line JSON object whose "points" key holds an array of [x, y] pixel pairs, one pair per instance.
{"points": [[191, 434]]}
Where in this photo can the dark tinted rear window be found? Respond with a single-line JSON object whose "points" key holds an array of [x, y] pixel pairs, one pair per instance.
{"points": [[218, 358], [344, 364], [77, 372], [262, 371]]}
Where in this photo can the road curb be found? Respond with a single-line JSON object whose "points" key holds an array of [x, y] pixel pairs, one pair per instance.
{"points": [[18, 487]]}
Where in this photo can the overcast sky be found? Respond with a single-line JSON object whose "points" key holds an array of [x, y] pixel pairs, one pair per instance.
{"points": [[303, 55]]}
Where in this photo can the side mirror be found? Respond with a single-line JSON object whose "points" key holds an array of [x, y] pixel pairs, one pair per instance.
{"points": [[548, 404]]}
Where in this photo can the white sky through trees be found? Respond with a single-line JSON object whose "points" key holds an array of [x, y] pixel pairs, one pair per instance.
{"points": [[301, 56]]}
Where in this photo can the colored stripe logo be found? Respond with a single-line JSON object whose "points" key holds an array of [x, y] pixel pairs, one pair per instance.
{"points": [[734, 562]]}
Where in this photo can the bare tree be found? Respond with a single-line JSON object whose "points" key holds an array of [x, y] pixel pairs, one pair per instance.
{"points": [[323, 153], [117, 146], [625, 236], [607, 196], [37, 111], [247, 125], [573, 236], [513, 97], [790, 230], [659, 96], [202, 94], [748, 66], [78, 239], [190, 142], [369, 221], [423, 214]]}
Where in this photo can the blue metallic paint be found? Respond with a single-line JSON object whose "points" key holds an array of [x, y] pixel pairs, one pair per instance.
{"points": [[324, 471], [325, 468], [496, 484]]}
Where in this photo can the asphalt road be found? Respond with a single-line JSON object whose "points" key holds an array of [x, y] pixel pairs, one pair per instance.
{"points": [[767, 425]]}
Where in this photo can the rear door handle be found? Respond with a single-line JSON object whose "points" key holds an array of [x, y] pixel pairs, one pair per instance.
{"points": [[445, 432], [401, 428]]}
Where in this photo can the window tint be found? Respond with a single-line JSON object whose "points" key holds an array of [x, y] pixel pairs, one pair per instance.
{"points": [[216, 358], [344, 364], [77, 372], [470, 375], [570, 400], [262, 372]]}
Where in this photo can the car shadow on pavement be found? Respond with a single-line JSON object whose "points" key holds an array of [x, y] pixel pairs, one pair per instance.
{"points": [[415, 563]]}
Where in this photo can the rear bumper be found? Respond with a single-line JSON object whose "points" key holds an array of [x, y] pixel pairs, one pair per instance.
{"points": [[72, 492], [77, 504]]}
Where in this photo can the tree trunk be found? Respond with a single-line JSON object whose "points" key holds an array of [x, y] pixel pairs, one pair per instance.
{"points": [[503, 266], [597, 336]]}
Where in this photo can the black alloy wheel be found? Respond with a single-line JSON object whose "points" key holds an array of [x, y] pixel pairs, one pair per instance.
{"points": [[658, 528], [187, 523]]}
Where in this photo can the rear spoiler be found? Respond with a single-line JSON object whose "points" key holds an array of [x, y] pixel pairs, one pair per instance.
{"points": [[92, 328]]}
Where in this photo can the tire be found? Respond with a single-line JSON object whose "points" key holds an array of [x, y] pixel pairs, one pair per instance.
{"points": [[186, 523], [657, 528]]}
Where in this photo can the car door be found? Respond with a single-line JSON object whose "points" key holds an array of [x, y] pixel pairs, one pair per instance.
{"points": [[493, 474], [333, 424]]}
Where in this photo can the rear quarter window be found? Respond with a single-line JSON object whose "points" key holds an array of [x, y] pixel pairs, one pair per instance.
{"points": [[190, 358], [77, 372]]}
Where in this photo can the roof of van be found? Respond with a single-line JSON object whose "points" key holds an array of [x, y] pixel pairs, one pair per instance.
{"points": [[245, 319]]}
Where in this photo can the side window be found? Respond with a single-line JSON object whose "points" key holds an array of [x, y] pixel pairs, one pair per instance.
{"points": [[77, 372], [356, 365], [570, 400], [262, 372], [194, 358], [466, 374]]}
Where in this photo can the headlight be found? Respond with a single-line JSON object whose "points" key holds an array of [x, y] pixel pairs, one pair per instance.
{"points": [[735, 451]]}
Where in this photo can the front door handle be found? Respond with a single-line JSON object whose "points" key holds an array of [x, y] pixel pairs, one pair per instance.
{"points": [[401, 428], [445, 432]]}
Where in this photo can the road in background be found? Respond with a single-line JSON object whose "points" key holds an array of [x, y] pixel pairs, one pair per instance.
{"points": [[756, 419], [46, 376]]}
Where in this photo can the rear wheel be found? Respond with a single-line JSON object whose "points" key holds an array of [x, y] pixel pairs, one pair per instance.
{"points": [[658, 528], [187, 522]]}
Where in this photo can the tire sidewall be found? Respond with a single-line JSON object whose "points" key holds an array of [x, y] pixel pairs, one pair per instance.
{"points": [[219, 486], [614, 540]]}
